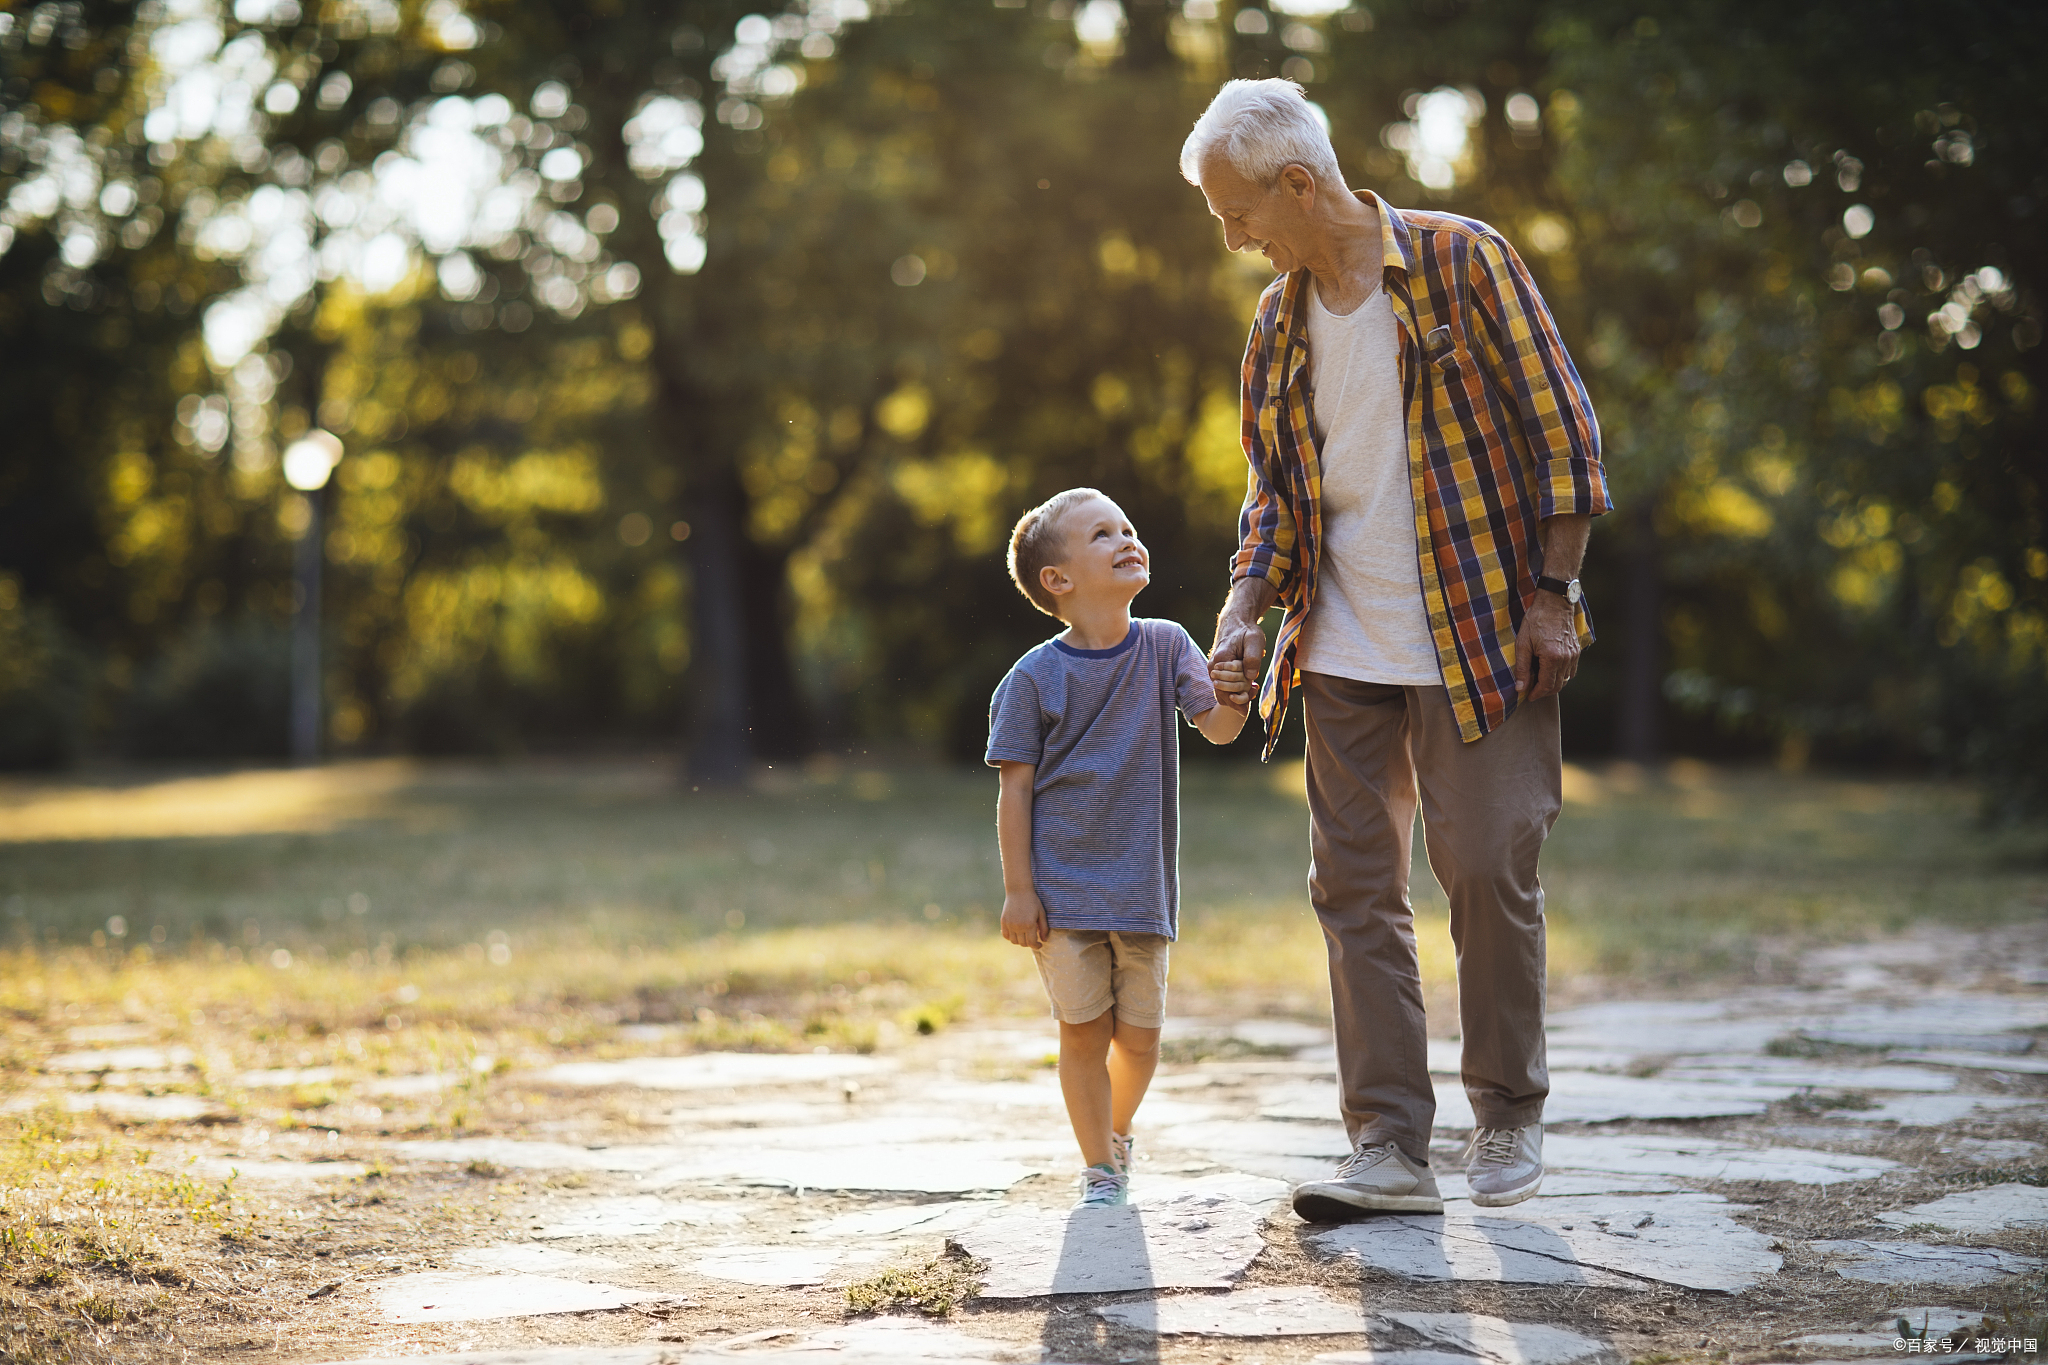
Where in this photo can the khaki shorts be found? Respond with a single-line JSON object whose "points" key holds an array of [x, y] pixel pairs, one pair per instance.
{"points": [[1087, 971]]}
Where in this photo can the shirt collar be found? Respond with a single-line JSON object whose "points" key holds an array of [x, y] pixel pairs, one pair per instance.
{"points": [[1396, 253]]}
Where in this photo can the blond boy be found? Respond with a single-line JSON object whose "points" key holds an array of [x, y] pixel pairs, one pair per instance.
{"points": [[1088, 817]]}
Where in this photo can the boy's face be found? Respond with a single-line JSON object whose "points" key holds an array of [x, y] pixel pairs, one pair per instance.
{"points": [[1104, 562]]}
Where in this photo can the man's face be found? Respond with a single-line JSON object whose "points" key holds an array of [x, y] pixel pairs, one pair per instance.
{"points": [[1103, 558], [1271, 219]]}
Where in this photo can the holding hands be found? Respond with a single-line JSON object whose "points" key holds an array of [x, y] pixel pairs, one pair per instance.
{"points": [[1240, 650], [1233, 688]]}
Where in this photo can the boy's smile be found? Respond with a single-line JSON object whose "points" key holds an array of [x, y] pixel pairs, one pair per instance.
{"points": [[1102, 566], [1104, 554]]}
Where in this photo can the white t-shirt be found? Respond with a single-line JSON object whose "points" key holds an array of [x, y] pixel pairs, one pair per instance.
{"points": [[1368, 620]]}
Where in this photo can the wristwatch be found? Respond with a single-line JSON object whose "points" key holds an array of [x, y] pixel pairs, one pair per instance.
{"points": [[1570, 592]]}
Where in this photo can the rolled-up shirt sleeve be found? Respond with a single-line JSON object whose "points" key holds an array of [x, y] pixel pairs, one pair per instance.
{"points": [[1265, 524], [1519, 345]]}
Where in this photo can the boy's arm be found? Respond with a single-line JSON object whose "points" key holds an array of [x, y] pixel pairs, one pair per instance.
{"points": [[1219, 725], [1023, 913], [1222, 723]]}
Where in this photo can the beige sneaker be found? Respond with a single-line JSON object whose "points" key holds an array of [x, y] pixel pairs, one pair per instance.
{"points": [[1376, 1178], [1504, 1165]]}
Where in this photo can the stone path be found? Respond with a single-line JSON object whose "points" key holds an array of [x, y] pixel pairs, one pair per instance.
{"points": [[1775, 1172]]}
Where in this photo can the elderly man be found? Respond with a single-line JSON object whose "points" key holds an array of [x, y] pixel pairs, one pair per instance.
{"points": [[1424, 470]]}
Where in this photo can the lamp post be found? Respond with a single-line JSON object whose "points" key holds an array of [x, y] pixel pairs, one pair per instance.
{"points": [[308, 462]]}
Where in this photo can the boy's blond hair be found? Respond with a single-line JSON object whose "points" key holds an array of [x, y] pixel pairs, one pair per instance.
{"points": [[1038, 541]]}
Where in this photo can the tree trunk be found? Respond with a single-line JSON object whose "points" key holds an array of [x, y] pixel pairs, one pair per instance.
{"points": [[717, 739], [1146, 27], [777, 724], [1639, 720], [743, 702]]}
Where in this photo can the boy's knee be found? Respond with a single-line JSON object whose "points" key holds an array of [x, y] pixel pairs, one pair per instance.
{"points": [[1138, 1042], [1091, 1036]]}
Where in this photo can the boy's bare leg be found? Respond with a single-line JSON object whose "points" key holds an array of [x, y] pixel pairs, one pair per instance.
{"points": [[1085, 1083], [1132, 1061]]}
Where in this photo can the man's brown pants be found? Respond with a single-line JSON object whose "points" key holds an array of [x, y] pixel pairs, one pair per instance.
{"points": [[1486, 809]]}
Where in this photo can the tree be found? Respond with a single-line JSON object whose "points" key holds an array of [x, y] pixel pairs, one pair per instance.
{"points": [[831, 296]]}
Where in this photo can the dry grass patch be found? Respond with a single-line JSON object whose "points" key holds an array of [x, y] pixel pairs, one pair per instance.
{"points": [[92, 1232], [934, 1287]]}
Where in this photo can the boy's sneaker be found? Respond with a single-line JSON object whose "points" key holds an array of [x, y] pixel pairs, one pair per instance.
{"points": [[1504, 1165], [1375, 1178], [1123, 1150], [1103, 1187]]}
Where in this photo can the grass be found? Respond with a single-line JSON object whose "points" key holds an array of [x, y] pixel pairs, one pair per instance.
{"points": [[385, 920], [934, 1287], [81, 1213], [392, 919], [352, 926], [605, 889]]}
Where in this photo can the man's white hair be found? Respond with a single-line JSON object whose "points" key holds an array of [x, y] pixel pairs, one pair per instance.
{"points": [[1262, 127]]}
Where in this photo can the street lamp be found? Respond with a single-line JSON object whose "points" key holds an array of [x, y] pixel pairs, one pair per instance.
{"points": [[308, 462]]}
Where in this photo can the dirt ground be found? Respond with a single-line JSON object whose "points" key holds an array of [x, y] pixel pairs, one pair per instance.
{"points": [[287, 1269]]}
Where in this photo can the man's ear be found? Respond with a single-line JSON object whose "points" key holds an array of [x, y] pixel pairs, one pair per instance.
{"points": [[1054, 580], [1300, 182]]}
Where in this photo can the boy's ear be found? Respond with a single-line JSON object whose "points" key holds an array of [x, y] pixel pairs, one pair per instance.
{"points": [[1054, 580]]}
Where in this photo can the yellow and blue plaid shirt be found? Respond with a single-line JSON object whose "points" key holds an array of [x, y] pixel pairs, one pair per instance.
{"points": [[1501, 435]]}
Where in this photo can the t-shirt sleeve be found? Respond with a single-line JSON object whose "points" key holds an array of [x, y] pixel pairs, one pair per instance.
{"points": [[1192, 691], [1015, 731]]}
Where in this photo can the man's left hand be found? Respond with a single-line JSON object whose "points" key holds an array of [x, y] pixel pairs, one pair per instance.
{"points": [[1547, 645]]}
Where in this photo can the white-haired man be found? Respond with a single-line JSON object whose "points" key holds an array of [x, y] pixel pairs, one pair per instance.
{"points": [[1425, 465]]}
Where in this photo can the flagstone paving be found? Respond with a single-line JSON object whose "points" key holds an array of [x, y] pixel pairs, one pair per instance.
{"points": [[1915, 1263], [1192, 1242], [1267, 1311], [1933, 1111], [435, 1297], [1764, 1174], [1881, 1334], [1496, 1339], [1614, 1242], [1706, 1159], [1987, 1210]]}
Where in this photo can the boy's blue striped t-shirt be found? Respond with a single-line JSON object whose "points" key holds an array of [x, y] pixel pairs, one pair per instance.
{"points": [[1105, 811]]}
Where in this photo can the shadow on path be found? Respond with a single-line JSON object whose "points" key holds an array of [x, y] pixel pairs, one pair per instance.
{"points": [[1102, 1247]]}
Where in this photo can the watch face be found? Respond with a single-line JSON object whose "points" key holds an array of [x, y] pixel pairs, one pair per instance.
{"points": [[1573, 592]]}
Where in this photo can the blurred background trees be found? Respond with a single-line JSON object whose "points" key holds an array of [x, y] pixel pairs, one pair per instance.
{"points": [[692, 361]]}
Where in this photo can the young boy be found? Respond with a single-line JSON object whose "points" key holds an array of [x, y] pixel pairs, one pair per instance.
{"points": [[1088, 819]]}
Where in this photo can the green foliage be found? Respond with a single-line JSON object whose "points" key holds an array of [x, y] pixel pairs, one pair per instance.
{"points": [[951, 268], [43, 683], [221, 693], [1837, 361], [1073, 325], [1792, 254]]}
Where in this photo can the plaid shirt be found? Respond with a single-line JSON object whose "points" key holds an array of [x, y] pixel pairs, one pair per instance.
{"points": [[1500, 435]]}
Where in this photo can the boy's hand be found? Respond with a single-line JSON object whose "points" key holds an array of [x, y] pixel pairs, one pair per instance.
{"points": [[1233, 689], [1024, 919]]}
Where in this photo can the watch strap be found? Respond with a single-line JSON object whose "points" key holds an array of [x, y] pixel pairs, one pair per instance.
{"points": [[1556, 585]]}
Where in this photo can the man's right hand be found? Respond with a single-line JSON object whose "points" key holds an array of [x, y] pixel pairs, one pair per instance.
{"points": [[1241, 641], [1024, 919]]}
